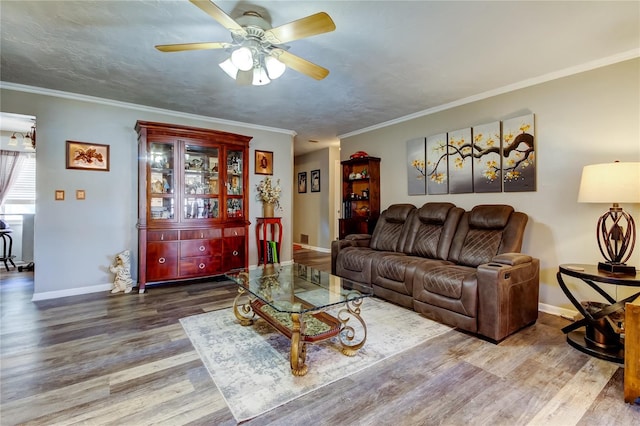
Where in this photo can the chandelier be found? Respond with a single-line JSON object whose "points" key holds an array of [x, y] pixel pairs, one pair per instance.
{"points": [[28, 139]]}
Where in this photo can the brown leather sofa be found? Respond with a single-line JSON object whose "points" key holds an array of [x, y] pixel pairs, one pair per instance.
{"points": [[461, 268]]}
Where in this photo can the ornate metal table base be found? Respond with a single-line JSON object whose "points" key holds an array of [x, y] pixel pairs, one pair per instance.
{"points": [[602, 322], [348, 334]]}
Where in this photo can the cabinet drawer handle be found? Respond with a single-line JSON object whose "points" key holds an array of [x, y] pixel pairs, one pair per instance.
{"points": [[201, 266], [162, 260], [235, 252], [161, 237], [201, 248], [202, 235], [235, 232]]}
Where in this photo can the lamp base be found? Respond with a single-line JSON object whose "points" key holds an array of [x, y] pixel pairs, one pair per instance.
{"points": [[616, 268]]}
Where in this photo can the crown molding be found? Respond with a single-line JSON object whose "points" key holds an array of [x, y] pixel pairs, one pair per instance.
{"points": [[127, 105], [588, 66]]}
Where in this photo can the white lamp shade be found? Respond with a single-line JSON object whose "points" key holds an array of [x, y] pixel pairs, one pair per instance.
{"points": [[610, 183], [275, 68], [13, 141], [260, 77], [229, 68], [242, 58]]}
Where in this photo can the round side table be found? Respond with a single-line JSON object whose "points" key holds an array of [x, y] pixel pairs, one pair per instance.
{"points": [[602, 322]]}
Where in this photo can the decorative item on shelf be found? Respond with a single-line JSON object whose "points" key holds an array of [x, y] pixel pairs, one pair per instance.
{"points": [[616, 231], [358, 154], [269, 195]]}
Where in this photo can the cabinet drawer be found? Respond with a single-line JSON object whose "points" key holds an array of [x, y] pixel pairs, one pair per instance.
{"points": [[200, 247], [200, 266], [234, 232], [234, 253], [162, 261], [162, 235], [200, 234]]}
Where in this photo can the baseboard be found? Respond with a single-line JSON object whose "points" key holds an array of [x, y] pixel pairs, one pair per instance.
{"points": [[71, 292], [560, 312]]}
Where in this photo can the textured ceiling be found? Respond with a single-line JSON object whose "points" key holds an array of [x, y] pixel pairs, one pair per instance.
{"points": [[387, 59]]}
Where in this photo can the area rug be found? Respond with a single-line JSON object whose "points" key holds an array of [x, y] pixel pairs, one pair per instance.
{"points": [[250, 365]]}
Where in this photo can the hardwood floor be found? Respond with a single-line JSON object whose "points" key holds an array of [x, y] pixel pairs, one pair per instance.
{"points": [[125, 360]]}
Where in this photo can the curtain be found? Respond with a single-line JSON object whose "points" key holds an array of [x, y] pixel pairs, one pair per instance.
{"points": [[10, 164]]}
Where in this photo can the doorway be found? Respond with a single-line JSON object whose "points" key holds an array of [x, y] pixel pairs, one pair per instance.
{"points": [[18, 183]]}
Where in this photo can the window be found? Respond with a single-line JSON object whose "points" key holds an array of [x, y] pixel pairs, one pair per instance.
{"points": [[22, 195]]}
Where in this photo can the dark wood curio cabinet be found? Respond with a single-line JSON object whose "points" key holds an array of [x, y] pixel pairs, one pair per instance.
{"points": [[360, 196], [192, 202]]}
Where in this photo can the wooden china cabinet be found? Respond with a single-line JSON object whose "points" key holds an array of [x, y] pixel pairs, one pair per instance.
{"points": [[192, 202], [360, 196]]}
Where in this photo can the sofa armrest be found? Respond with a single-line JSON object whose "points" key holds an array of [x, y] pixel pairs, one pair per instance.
{"points": [[511, 259], [508, 290], [358, 237], [336, 246]]}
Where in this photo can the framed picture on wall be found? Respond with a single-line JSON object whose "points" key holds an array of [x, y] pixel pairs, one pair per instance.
{"points": [[87, 156], [315, 180], [302, 182], [264, 163]]}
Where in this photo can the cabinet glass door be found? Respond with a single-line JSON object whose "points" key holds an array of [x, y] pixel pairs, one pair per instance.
{"points": [[161, 181], [235, 184], [201, 182]]}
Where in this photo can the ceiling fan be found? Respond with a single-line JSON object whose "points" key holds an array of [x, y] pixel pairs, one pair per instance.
{"points": [[258, 54]]}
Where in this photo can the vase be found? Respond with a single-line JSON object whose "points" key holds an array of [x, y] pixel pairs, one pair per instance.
{"points": [[267, 209]]}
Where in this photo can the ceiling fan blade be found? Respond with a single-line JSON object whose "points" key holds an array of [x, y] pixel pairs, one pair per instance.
{"points": [[301, 65], [244, 78], [218, 14], [306, 27], [191, 46]]}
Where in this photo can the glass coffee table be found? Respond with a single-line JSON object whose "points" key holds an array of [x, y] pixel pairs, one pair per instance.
{"points": [[294, 299]]}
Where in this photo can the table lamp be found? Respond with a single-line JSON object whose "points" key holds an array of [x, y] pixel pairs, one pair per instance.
{"points": [[616, 232]]}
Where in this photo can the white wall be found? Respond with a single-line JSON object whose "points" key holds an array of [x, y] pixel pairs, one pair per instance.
{"points": [[75, 241], [315, 212], [591, 117]]}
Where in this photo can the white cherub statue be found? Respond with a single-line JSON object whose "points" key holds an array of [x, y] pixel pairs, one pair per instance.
{"points": [[122, 269]]}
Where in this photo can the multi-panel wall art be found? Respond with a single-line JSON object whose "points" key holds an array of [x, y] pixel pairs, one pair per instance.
{"points": [[476, 159]]}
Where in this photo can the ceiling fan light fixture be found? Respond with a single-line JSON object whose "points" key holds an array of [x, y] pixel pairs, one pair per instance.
{"points": [[275, 68], [260, 77], [242, 58], [229, 68]]}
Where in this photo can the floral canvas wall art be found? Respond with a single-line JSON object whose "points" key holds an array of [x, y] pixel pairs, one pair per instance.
{"points": [[518, 162], [436, 167], [487, 162], [416, 163], [460, 162]]}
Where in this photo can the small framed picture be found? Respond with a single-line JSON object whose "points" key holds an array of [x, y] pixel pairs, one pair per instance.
{"points": [[315, 180], [80, 195], [87, 156], [264, 163], [302, 182], [59, 195]]}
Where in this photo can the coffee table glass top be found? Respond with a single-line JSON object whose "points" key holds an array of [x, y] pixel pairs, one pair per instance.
{"points": [[298, 288]]}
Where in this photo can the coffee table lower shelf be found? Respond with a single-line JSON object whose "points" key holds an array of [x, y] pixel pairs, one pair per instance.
{"points": [[303, 328]]}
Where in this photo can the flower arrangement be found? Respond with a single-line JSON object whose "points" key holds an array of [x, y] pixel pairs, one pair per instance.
{"points": [[268, 193]]}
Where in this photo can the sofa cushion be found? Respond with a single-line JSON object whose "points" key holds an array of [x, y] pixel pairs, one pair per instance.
{"points": [[485, 232], [431, 229], [480, 246], [489, 216], [388, 234], [451, 287]]}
